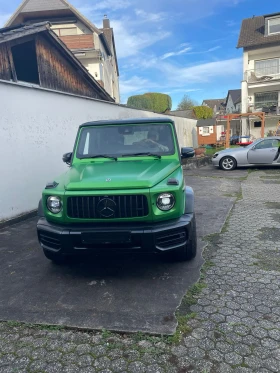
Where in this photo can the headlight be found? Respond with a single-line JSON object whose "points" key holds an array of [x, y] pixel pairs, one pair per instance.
{"points": [[165, 201], [54, 204]]}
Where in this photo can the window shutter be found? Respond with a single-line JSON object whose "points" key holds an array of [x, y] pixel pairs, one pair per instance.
{"points": [[201, 130], [211, 129]]}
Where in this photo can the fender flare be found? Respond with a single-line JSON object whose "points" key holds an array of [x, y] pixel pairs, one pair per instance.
{"points": [[40, 209], [189, 200]]}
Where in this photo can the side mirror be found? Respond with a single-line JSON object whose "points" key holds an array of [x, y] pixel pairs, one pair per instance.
{"points": [[187, 152], [67, 158]]}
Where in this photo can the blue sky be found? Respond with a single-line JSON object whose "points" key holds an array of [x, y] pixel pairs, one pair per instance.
{"points": [[176, 47]]}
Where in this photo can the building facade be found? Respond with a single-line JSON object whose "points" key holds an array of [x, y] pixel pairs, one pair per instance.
{"points": [[260, 40], [94, 47]]}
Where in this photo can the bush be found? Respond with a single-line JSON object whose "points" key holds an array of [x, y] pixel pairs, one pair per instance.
{"points": [[140, 102], [203, 112], [158, 102]]}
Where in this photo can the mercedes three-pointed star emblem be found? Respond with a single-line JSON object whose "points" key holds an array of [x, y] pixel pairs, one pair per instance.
{"points": [[106, 208]]}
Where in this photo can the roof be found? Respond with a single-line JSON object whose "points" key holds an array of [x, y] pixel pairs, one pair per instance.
{"points": [[235, 95], [214, 102], [17, 32], [128, 121], [183, 113], [37, 6], [253, 33], [206, 122]]}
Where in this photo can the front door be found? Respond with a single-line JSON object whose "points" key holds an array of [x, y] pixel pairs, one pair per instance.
{"points": [[265, 152]]}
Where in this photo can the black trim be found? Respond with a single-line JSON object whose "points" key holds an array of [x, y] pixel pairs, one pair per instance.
{"points": [[189, 202], [172, 181], [51, 185], [142, 237]]}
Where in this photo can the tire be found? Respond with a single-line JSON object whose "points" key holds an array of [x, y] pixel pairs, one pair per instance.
{"points": [[189, 251], [56, 258], [228, 163]]}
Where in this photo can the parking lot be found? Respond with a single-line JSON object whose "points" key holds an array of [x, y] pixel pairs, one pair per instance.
{"points": [[120, 292]]}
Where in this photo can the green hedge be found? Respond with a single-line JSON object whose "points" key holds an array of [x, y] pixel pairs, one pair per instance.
{"points": [[140, 102], [158, 102], [203, 112]]}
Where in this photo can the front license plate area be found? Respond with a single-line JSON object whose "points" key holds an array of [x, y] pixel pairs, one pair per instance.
{"points": [[106, 237]]}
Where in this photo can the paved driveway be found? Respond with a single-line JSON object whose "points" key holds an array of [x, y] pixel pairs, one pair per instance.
{"points": [[125, 293]]}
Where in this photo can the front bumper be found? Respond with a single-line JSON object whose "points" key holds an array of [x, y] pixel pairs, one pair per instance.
{"points": [[147, 238], [216, 161]]}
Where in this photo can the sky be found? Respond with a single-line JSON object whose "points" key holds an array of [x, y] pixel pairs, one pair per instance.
{"points": [[176, 47]]}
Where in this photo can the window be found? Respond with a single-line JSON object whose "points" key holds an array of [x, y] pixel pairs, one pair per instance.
{"points": [[264, 99], [257, 124], [25, 61], [268, 144], [206, 131], [267, 67], [119, 140], [274, 25], [66, 31]]}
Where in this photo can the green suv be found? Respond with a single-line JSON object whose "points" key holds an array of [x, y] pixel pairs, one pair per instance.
{"points": [[124, 190]]}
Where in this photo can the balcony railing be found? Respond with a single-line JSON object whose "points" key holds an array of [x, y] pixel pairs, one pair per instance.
{"points": [[78, 41], [262, 75]]}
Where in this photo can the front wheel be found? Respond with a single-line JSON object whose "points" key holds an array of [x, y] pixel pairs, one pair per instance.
{"points": [[189, 251], [228, 163], [56, 258]]}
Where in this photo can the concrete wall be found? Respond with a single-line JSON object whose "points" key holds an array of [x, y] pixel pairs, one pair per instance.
{"points": [[36, 127]]}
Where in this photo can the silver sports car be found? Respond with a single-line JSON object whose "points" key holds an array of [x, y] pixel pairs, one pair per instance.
{"points": [[261, 152]]}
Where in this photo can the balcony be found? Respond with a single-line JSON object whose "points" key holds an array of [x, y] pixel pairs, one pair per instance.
{"points": [[78, 41], [263, 75]]}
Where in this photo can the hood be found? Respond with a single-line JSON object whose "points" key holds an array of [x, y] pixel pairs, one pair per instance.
{"points": [[233, 150], [122, 174]]}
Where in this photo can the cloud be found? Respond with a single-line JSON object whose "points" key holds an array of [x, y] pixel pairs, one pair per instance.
{"points": [[150, 17], [129, 43], [171, 54], [213, 49], [203, 73], [134, 85]]}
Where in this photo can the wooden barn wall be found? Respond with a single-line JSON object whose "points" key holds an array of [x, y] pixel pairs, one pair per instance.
{"points": [[57, 73], [5, 70], [207, 140]]}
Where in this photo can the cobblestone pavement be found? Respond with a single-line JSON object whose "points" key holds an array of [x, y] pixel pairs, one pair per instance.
{"points": [[234, 312]]}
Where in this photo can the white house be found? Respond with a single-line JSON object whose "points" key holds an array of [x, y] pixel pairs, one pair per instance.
{"points": [[233, 101], [94, 47], [260, 40]]}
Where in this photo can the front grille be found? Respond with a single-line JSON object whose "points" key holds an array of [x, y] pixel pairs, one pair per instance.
{"points": [[107, 207], [171, 238]]}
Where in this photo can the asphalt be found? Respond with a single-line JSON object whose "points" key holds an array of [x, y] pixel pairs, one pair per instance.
{"points": [[120, 293]]}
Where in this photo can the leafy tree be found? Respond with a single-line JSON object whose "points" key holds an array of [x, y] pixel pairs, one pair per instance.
{"points": [[158, 102], [186, 103], [203, 112]]}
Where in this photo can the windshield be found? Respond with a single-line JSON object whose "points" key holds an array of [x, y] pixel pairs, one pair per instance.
{"points": [[123, 140]]}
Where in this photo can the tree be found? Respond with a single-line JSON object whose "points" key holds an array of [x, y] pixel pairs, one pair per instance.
{"points": [[186, 103], [158, 102], [203, 112]]}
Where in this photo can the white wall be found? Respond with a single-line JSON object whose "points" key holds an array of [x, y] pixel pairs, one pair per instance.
{"points": [[36, 127]]}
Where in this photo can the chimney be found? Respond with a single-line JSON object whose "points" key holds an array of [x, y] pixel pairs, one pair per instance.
{"points": [[106, 22]]}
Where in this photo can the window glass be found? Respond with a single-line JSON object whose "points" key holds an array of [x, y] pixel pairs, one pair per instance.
{"points": [[267, 144], [274, 25], [266, 99], [121, 140], [267, 67], [206, 130]]}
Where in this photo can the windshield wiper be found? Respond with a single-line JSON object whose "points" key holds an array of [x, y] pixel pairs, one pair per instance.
{"points": [[100, 156], [139, 155]]}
